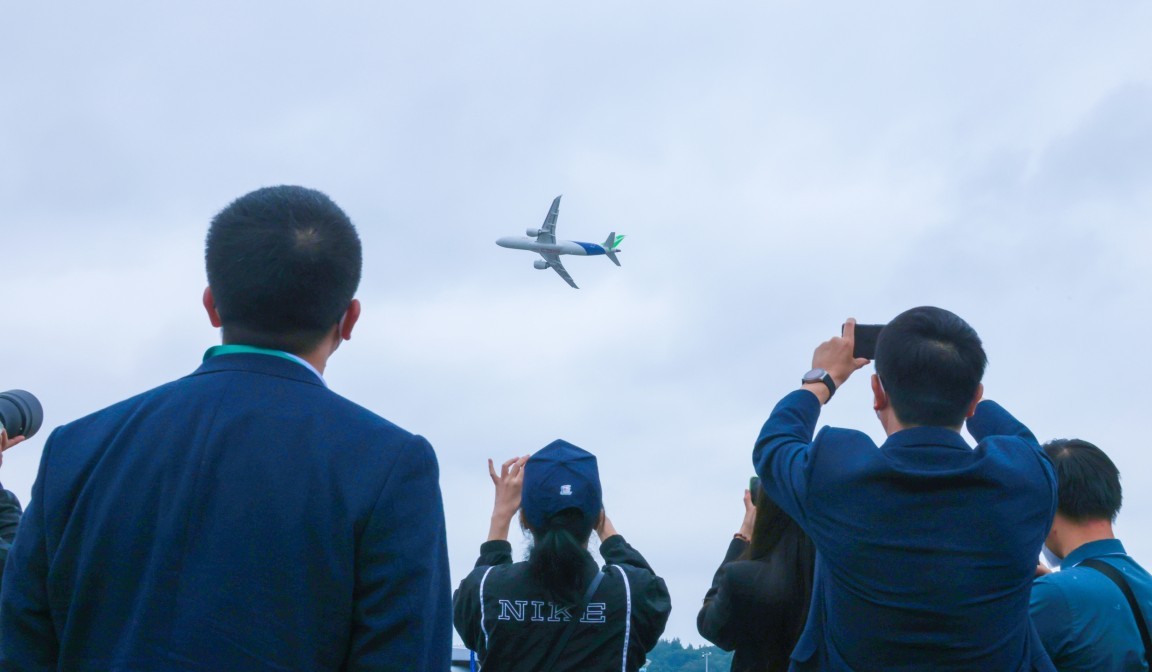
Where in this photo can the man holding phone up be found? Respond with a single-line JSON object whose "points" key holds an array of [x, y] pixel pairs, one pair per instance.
{"points": [[927, 547]]}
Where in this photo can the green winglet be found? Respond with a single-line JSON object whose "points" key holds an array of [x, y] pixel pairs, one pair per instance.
{"points": [[618, 241]]}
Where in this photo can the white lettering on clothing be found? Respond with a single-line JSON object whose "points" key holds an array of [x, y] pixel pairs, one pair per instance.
{"points": [[593, 613], [510, 613], [558, 611], [517, 610]]}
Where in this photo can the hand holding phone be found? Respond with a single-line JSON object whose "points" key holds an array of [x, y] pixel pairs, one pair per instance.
{"points": [[865, 344]]}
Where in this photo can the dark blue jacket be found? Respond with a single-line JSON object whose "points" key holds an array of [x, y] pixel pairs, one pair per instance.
{"points": [[926, 547], [242, 518]]}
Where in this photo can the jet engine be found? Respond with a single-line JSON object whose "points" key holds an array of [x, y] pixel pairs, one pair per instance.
{"points": [[540, 264], [532, 233]]}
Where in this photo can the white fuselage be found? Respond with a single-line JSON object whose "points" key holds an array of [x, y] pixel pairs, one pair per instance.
{"points": [[558, 247]]}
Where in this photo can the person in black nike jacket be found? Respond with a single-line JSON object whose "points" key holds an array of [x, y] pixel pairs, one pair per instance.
{"points": [[557, 610]]}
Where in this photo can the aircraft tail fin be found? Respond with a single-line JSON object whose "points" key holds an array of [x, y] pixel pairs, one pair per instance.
{"points": [[610, 247]]}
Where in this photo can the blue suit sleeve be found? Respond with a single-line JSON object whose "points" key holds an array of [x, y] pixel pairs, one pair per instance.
{"points": [[1052, 617], [781, 454], [27, 635], [991, 419], [402, 616]]}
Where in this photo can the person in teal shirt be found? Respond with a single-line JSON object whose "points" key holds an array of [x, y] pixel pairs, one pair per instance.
{"points": [[1083, 617]]}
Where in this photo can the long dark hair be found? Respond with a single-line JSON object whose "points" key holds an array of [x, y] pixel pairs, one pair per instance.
{"points": [[559, 554], [777, 537]]}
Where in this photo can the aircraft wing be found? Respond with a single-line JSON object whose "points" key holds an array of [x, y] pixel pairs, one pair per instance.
{"points": [[554, 262], [548, 228]]}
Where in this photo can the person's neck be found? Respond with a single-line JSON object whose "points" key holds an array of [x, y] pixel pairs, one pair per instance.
{"points": [[892, 425], [1075, 535], [317, 357]]}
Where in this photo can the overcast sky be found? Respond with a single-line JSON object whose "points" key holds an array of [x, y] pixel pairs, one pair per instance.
{"points": [[776, 166]]}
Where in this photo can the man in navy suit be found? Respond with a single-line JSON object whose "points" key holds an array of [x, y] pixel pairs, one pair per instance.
{"points": [[926, 547], [244, 517]]}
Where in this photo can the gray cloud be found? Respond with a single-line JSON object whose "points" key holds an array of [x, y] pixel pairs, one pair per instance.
{"points": [[776, 168]]}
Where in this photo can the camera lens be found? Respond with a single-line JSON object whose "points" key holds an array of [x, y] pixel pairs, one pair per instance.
{"points": [[20, 413]]}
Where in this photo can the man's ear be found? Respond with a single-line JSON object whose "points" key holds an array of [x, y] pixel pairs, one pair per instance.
{"points": [[1053, 542], [879, 396], [976, 398], [210, 306], [348, 321]]}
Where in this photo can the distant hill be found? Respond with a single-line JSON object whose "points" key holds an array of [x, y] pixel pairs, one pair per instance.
{"points": [[672, 656]]}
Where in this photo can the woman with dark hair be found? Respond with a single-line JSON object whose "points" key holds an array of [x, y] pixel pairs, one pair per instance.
{"points": [[557, 610], [759, 597]]}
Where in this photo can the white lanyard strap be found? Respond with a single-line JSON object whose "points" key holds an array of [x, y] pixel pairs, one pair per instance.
{"points": [[483, 628], [627, 617]]}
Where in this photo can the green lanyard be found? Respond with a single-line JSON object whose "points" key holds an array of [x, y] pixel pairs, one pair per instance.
{"points": [[253, 350], [246, 349]]}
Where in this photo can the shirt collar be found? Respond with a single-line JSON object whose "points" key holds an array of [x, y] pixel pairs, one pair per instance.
{"points": [[236, 349], [1092, 549]]}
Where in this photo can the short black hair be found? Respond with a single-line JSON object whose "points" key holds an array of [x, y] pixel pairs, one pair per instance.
{"points": [[283, 265], [1088, 482], [930, 363]]}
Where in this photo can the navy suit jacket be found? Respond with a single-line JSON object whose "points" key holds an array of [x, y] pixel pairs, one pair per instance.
{"points": [[926, 547], [242, 518]]}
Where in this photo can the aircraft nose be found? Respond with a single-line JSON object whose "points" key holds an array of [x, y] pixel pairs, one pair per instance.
{"points": [[503, 242]]}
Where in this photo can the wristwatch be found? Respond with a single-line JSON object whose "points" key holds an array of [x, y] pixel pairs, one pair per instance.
{"points": [[820, 376]]}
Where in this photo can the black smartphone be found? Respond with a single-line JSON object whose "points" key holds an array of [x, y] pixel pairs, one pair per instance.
{"points": [[866, 335], [754, 486]]}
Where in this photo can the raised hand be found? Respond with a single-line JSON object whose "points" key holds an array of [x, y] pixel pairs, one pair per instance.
{"points": [[509, 484], [835, 355], [6, 443], [749, 522]]}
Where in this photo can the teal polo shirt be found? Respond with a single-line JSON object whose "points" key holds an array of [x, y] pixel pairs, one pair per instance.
{"points": [[1083, 618]]}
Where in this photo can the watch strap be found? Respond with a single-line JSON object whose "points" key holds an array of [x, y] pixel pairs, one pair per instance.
{"points": [[826, 379]]}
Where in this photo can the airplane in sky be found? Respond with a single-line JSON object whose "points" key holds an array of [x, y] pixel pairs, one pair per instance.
{"points": [[543, 240]]}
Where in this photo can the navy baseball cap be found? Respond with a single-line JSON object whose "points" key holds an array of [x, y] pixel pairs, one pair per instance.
{"points": [[561, 476]]}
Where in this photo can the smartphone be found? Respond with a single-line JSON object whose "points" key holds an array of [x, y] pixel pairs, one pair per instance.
{"points": [[754, 486], [866, 335]]}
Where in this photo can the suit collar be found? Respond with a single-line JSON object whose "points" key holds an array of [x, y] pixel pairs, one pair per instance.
{"points": [[926, 436], [259, 363]]}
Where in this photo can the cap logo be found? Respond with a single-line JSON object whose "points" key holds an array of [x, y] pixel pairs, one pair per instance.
{"points": [[565, 489]]}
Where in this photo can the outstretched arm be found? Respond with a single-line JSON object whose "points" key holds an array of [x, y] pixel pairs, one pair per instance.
{"points": [[467, 613], [509, 485], [990, 419], [651, 603], [781, 453], [715, 620]]}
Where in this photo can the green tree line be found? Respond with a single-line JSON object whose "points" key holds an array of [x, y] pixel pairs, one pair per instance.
{"points": [[672, 656]]}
